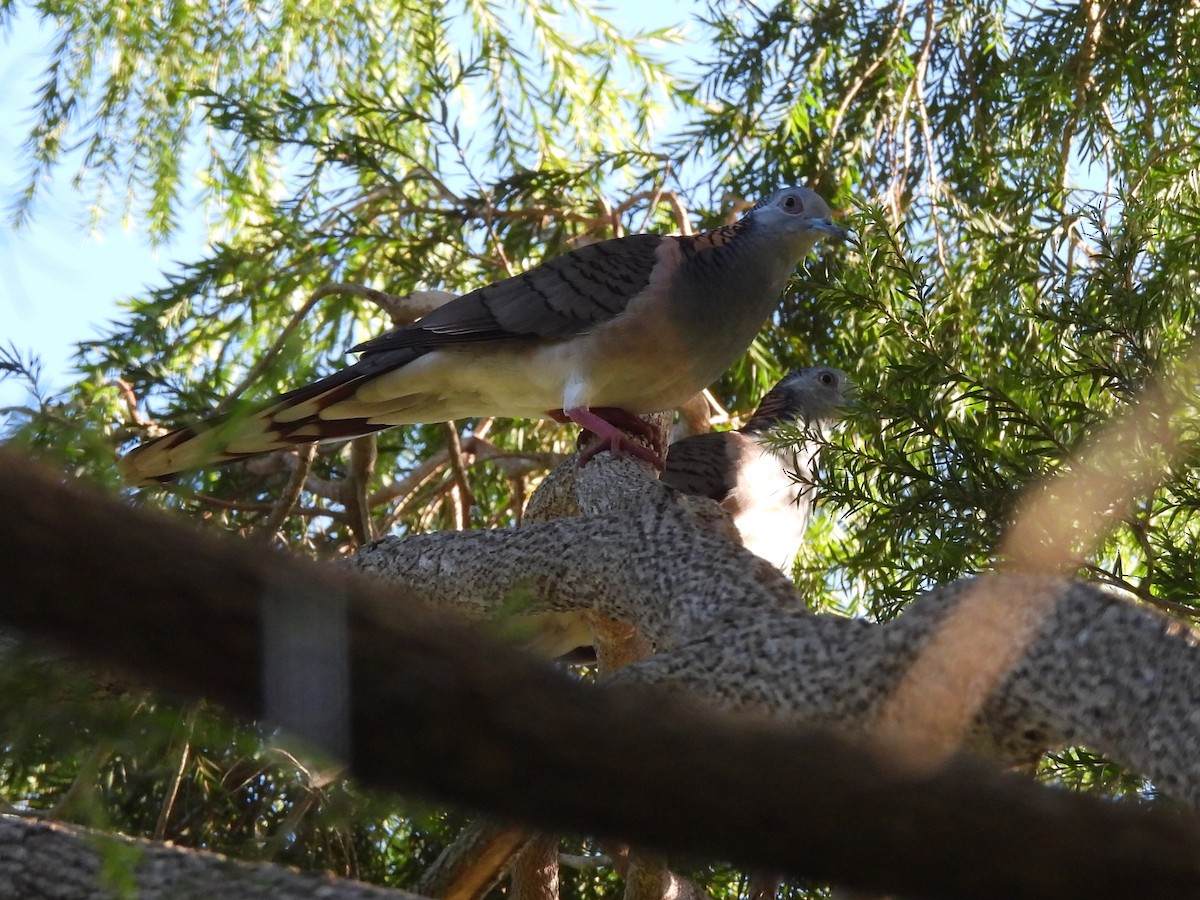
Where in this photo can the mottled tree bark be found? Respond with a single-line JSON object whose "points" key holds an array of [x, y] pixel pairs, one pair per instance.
{"points": [[42, 860]]}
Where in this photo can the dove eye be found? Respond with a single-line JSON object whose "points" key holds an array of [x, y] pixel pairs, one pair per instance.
{"points": [[792, 204], [827, 379]]}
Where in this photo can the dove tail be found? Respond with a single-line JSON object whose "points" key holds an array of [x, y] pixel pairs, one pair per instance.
{"points": [[292, 418]]}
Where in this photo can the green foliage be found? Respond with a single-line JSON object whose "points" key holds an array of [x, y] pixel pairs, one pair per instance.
{"points": [[1081, 770], [95, 751], [1024, 186]]}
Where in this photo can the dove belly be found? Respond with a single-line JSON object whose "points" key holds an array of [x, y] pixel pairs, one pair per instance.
{"points": [[519, 382], [456, 383], [769, 507]]}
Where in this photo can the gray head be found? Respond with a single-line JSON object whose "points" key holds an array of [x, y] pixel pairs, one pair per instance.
{"points": [[798, 213], [812, 394]]}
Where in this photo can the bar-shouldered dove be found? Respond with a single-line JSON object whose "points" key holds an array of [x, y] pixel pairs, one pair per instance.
{"points": [[596, 336], [768, 492]]}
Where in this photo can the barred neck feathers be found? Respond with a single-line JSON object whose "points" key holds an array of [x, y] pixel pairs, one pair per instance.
{"points": [[814, 393], [716, 256], [762, 421], [722, 236]]}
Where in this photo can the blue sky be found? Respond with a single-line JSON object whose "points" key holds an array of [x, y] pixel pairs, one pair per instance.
{"points": [[58, 279], [60, 282]]}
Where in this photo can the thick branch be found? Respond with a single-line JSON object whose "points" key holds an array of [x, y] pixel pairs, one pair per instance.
{"points": [[535, 870], [39, 859], [470, 866], [1101, 672], [655, 557], [733, 634]]}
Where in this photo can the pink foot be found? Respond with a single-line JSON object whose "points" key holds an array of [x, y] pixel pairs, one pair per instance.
{"points": [[627, 421], [609, 435]]}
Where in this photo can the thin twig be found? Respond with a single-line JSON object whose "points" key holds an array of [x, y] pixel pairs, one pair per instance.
{"points": [[614, 218], [268, 357], [164, 814], [402, 488], [933, 182], [849, 97], [465, 497], [131, 403], [363, 453], [519, 462], [680, 212], [518, 495], [482, 427], [654, 198], [1143, 593], [439, 185], [304, 456], [248, 506], [1083, 65]]}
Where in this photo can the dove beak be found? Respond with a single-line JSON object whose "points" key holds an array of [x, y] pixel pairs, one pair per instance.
{"points": [[825, 226]]}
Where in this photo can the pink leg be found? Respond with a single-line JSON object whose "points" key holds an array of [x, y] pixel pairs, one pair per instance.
{"points": [[622, 419], [627, 421], [610, 437]]}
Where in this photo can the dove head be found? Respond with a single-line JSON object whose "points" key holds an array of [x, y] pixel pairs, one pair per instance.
{"points": [[813, 394], [800, 215]]}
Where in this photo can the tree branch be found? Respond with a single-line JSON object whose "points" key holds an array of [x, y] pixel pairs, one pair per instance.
{"points": [[438, 710], [39, 859]]}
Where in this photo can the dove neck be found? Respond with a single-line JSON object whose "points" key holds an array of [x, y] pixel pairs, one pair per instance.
{"points": [[731, 285], [759, 423], [785, 404]]}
